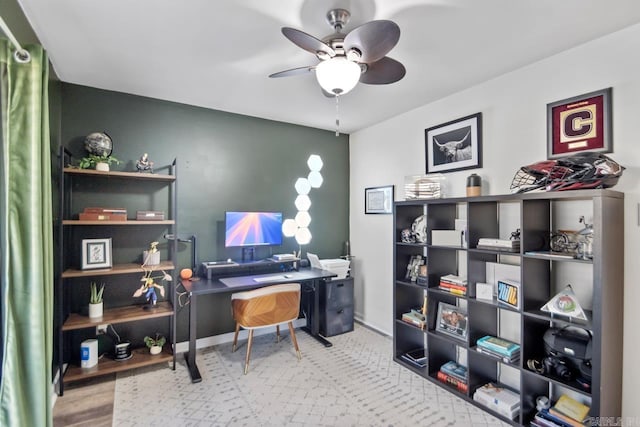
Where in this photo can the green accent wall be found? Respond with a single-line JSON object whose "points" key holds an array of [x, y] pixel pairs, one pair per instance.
{"points": [[225, 162]]}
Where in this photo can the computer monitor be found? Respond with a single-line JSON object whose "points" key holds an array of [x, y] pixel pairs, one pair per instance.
{"points": [[247, 229]]}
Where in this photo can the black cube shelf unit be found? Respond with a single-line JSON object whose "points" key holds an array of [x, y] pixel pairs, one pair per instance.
{"points": [[598, 283]]}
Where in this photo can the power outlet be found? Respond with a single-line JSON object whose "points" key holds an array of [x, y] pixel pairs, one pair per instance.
{"points": [[101, 329]]}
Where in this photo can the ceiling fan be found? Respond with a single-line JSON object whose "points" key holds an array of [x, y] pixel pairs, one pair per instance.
{"points": [[346, 59]]}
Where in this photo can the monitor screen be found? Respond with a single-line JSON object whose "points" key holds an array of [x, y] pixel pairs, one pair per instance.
{"points": [[253, 229]]}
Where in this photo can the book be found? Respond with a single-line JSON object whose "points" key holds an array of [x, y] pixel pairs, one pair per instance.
{"points": [[549, 420], [453, 291], [413, 362], [562, 417], [498, 345], [452, 278], [414, 319], [105, 210], [506, 359], [418, 355], [455, 370], [453, 381], [149, 215], [571, 408], [94, 216], [498, 397], [449, 285]]}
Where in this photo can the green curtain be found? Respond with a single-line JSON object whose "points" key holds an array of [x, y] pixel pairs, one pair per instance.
{"points": [[26, 241]]}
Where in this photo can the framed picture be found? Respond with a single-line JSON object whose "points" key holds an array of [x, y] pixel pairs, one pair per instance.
{"points": [[581, 123], [454, 145], [451, 320], [509, 293], [96, 253], [378, 200]]}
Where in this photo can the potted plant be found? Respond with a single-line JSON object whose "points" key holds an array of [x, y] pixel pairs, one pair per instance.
{"points": [[95, 300], [155, 344], [100, 163]]}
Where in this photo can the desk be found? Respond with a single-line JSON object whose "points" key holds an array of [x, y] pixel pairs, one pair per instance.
{"points": [[309, 278]]}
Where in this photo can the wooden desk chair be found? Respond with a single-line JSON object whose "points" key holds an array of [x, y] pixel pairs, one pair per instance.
{"points": [[264, 307]]}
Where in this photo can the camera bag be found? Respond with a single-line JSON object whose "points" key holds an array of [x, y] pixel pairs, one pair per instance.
{"points": [[570, 342]]}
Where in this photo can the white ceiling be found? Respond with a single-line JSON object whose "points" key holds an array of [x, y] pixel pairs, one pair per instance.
{"points": [[218, 54]]}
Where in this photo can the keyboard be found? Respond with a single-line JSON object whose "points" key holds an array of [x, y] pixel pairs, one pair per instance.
{"points": [[272, 278]]}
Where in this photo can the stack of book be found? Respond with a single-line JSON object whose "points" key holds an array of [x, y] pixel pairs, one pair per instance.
{"points": [[566, 412], [415, 357], [454, 374], [507, 351], [103, 214], [499, 244], [415, 317], [453, 284], [499, 399]]}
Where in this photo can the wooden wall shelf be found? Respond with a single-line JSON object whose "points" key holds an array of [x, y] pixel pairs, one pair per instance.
{"points": [[115, 270], [117, 315]]}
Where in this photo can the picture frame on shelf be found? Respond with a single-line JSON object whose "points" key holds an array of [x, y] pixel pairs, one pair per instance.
{"points": [[455, 145], [378, 200], [96, 253], [580, 123], [452, 320]]}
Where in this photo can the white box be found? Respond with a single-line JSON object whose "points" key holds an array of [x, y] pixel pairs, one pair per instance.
{"points": [[446, 237], [484, 291], [89, 353]]}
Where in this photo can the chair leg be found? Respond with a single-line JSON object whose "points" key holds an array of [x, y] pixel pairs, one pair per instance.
{"points": [[235, 338], [295, 341], [277, 333], [246, 360]]}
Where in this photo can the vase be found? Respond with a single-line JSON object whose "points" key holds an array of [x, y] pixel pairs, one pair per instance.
{"points": [[152, 258], [104, 167], [155, 349], [95, 310]]}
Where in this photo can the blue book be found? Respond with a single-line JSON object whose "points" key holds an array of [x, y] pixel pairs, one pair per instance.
{"points": [[455, 370], [499, 345]]}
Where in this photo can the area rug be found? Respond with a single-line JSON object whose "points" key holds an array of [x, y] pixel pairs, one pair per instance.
{"points": [[353, 383]]}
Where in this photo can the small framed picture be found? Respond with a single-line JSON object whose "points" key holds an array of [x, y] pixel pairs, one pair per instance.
{"points": [[96, 253], [455, 145], [378, 200], [581, 123], [452, 320]]}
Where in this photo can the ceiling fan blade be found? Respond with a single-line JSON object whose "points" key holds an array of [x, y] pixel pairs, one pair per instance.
{"points": [[374, 39], [382, 72], [307, 42], [293, 71]]}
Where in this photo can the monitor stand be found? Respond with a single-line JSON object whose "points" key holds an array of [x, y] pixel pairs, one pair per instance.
{"points": [[248, 254]]}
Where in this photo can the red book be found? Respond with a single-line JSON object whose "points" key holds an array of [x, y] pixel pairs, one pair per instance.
{"points": [[448, 379]]}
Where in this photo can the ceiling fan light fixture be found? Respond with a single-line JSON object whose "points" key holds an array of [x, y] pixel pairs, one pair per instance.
{"points": [[338, 75]]}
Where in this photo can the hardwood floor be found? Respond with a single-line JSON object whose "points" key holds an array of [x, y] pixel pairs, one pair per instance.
{"points": [[86, 403]]}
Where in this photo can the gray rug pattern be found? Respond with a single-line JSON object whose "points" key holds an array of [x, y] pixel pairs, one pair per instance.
{"points": [[353, 383]]}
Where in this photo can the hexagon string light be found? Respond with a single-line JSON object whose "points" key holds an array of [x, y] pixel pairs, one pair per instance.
{"points": [[303, 202], [299, 227], [303, 236], [303, 186], [303, 219]]}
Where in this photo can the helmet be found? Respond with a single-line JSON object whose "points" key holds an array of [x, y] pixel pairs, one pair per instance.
{"points": [[419, 229], [579, 171]]}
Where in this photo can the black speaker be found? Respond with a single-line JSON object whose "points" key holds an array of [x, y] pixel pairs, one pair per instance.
{"points": [[304, 263]]}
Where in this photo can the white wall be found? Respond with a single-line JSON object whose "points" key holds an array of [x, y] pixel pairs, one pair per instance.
{"points": [[513, 110]]}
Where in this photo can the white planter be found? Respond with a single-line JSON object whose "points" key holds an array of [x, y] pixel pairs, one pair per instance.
{"points": [[95, 310], [156, 349], [151, 258], [102, 167]]}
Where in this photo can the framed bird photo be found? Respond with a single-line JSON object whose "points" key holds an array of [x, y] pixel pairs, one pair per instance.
{"points": [[455, 145]]}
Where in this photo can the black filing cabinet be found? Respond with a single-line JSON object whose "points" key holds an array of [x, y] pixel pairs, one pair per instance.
{"points": [[336, 307]]}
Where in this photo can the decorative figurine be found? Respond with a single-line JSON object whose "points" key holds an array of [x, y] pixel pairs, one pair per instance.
{"points": [[144, 164]]}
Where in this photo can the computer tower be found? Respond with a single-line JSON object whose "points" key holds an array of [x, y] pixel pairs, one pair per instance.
{"points": [[336, 307]]}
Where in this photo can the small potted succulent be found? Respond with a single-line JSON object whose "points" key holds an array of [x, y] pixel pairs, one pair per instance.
{"points": [[155, 344], [95, 300], [100, 163]]}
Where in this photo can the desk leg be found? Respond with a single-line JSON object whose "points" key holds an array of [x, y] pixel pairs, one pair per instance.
{"points": [[190, 356], [313, 318]]}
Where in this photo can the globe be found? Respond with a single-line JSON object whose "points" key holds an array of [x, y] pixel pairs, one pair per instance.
{"points": [[98, 143]]}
